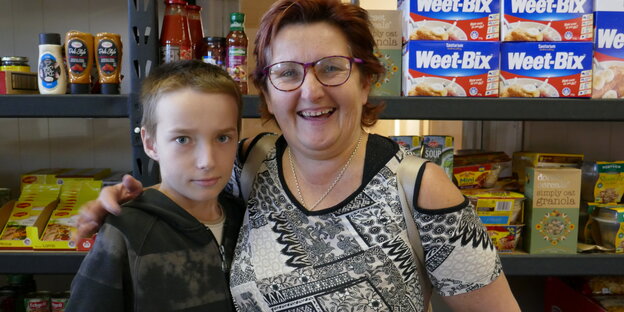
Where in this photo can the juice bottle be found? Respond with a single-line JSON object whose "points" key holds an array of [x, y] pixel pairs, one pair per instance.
{"points": [[236, 42], [175, 42]]}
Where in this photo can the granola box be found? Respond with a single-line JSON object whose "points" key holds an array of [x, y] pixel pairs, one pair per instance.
{"points": [[547, 20], [546, 69], [451, 68], [387, 35], [471, 20]]}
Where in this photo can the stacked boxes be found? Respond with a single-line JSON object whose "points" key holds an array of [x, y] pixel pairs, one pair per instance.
{"points": [[609, 50], [451, 48]]}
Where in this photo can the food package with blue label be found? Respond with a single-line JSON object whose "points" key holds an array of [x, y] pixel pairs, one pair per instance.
{"points": [[439, 149], [609, 55], [451, 68], [470, 20], [546, 69], [547, 20]]}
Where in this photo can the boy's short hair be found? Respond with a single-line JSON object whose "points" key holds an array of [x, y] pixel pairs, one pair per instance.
{"points": [[179, 75]]}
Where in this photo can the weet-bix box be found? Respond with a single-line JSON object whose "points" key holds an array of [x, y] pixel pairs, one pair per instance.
{"points": [[609, 5], [609, 54], [471, 20], [451, 68], [546, 69], [547, 20]]}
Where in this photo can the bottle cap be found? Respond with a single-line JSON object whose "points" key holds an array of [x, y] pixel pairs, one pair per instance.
{"points": [[181, 2], [237, 17], [109, 88], [214, 39], [49, 38], [79, 88]]}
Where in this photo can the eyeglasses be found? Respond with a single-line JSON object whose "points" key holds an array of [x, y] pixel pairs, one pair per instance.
{"points": [[330, 71]]}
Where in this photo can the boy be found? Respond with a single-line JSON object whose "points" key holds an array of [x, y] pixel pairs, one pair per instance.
{"points": [[173, 249]]}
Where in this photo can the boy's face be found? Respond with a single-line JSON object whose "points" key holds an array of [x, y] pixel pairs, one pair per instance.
{"points": [[195, 144]]}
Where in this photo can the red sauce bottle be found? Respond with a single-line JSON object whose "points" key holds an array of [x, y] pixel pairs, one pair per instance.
{"points": [[236, 42], [175, 41], [196, 28]]}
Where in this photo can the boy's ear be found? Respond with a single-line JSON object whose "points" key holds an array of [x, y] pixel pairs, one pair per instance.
{"points": [[149, 145]]}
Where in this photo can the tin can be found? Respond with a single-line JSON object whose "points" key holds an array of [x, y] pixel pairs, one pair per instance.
{"points": [[58, 301], [7, 300], [37, 301]]}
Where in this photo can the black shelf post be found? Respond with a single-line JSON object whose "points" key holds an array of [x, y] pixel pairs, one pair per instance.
{"points": [[143, 38]]}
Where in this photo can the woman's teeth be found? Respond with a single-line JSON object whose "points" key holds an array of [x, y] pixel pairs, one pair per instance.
{"points": [[307, 114]]}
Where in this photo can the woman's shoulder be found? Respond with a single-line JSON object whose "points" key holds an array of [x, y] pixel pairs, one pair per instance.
{"points": [[437, 191]]}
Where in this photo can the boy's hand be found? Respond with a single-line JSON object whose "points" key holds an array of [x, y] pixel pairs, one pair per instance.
{"points": [[93, 213]]}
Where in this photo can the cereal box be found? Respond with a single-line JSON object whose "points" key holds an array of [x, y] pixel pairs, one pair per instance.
{"points": [[609, 5], [546, 69], [451, 68], [387, 34], [609, 56], [472, 20], [547, 20], [552, 209]]}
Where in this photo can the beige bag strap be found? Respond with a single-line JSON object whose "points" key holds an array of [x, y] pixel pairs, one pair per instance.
{"points": [[255, 156], [406, 180]]}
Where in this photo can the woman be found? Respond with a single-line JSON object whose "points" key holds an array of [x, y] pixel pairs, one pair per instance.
{"points": [[324, 229]]}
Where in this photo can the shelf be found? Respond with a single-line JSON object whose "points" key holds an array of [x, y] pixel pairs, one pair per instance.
{"points": [[432, 108], [42, 262], [69, 105]]}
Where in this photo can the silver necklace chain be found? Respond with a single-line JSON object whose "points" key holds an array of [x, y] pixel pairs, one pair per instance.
{"points": [[331, 187]]}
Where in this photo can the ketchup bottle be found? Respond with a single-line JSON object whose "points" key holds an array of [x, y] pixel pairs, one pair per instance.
{"points": [[175, 42], [236, 42], [196, 28]]}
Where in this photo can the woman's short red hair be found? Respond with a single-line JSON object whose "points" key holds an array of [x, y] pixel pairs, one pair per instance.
{"points": [[352, 20]]}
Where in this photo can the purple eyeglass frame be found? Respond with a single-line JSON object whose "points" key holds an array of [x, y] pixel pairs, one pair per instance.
{"points": [[311, 64]]}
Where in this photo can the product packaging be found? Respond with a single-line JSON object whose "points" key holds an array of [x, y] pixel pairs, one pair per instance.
{"points": [[547, 20], [387, 35], [609, 55], [439, 149], [412, 143], [546, 69], [451, 68], [18, 83], [80, 59], [473, 20], [52, 77]]}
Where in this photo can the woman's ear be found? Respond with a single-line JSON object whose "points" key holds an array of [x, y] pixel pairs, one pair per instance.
{"points": [[149, 144]]}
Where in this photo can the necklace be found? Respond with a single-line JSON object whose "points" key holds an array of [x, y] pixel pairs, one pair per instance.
{"points": [[331, 187]]}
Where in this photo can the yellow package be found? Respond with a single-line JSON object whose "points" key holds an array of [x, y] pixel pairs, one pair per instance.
{"points": [[610, 185], [496, 207]]}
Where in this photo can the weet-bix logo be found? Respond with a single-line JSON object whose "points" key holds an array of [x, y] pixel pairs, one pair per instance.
{"points": [[466, 6], [610, 38], [561, 60], [468, 60], [547, 6]]}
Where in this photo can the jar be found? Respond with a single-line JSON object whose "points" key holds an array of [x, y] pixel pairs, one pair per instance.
{"points": [[15, 63], [175, 38], [213, 51]]}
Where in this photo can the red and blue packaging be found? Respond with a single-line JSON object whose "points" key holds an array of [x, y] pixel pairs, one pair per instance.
{"points": [[609, 55], [546, 69], [547, 20], [470, 20], [451, 68]]}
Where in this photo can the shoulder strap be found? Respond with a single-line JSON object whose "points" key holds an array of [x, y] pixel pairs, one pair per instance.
{"points": [[255, 156], [406, 180]]}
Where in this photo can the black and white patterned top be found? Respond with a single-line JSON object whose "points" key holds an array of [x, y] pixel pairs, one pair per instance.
{"points": [[353, 256]]}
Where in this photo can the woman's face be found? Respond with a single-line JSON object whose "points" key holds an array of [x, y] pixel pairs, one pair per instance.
{"points": [[314, 118]]}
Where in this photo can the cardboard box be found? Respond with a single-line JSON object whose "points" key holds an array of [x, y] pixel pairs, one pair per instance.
{"points": [[387, 34], [451, 20], [412, 143], [88, 174], [41, 176], [609, 55], [546, 69], [547, 20], [19, 220], [451, 68], [523, 160], [497, 207], [18, 83], [439, 149], [552, 209], [609, 5]]}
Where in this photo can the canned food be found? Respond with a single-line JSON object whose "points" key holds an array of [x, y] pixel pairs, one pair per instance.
{"points": [[58, 301], [7, 300], [15, 63], [37, 301]]}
